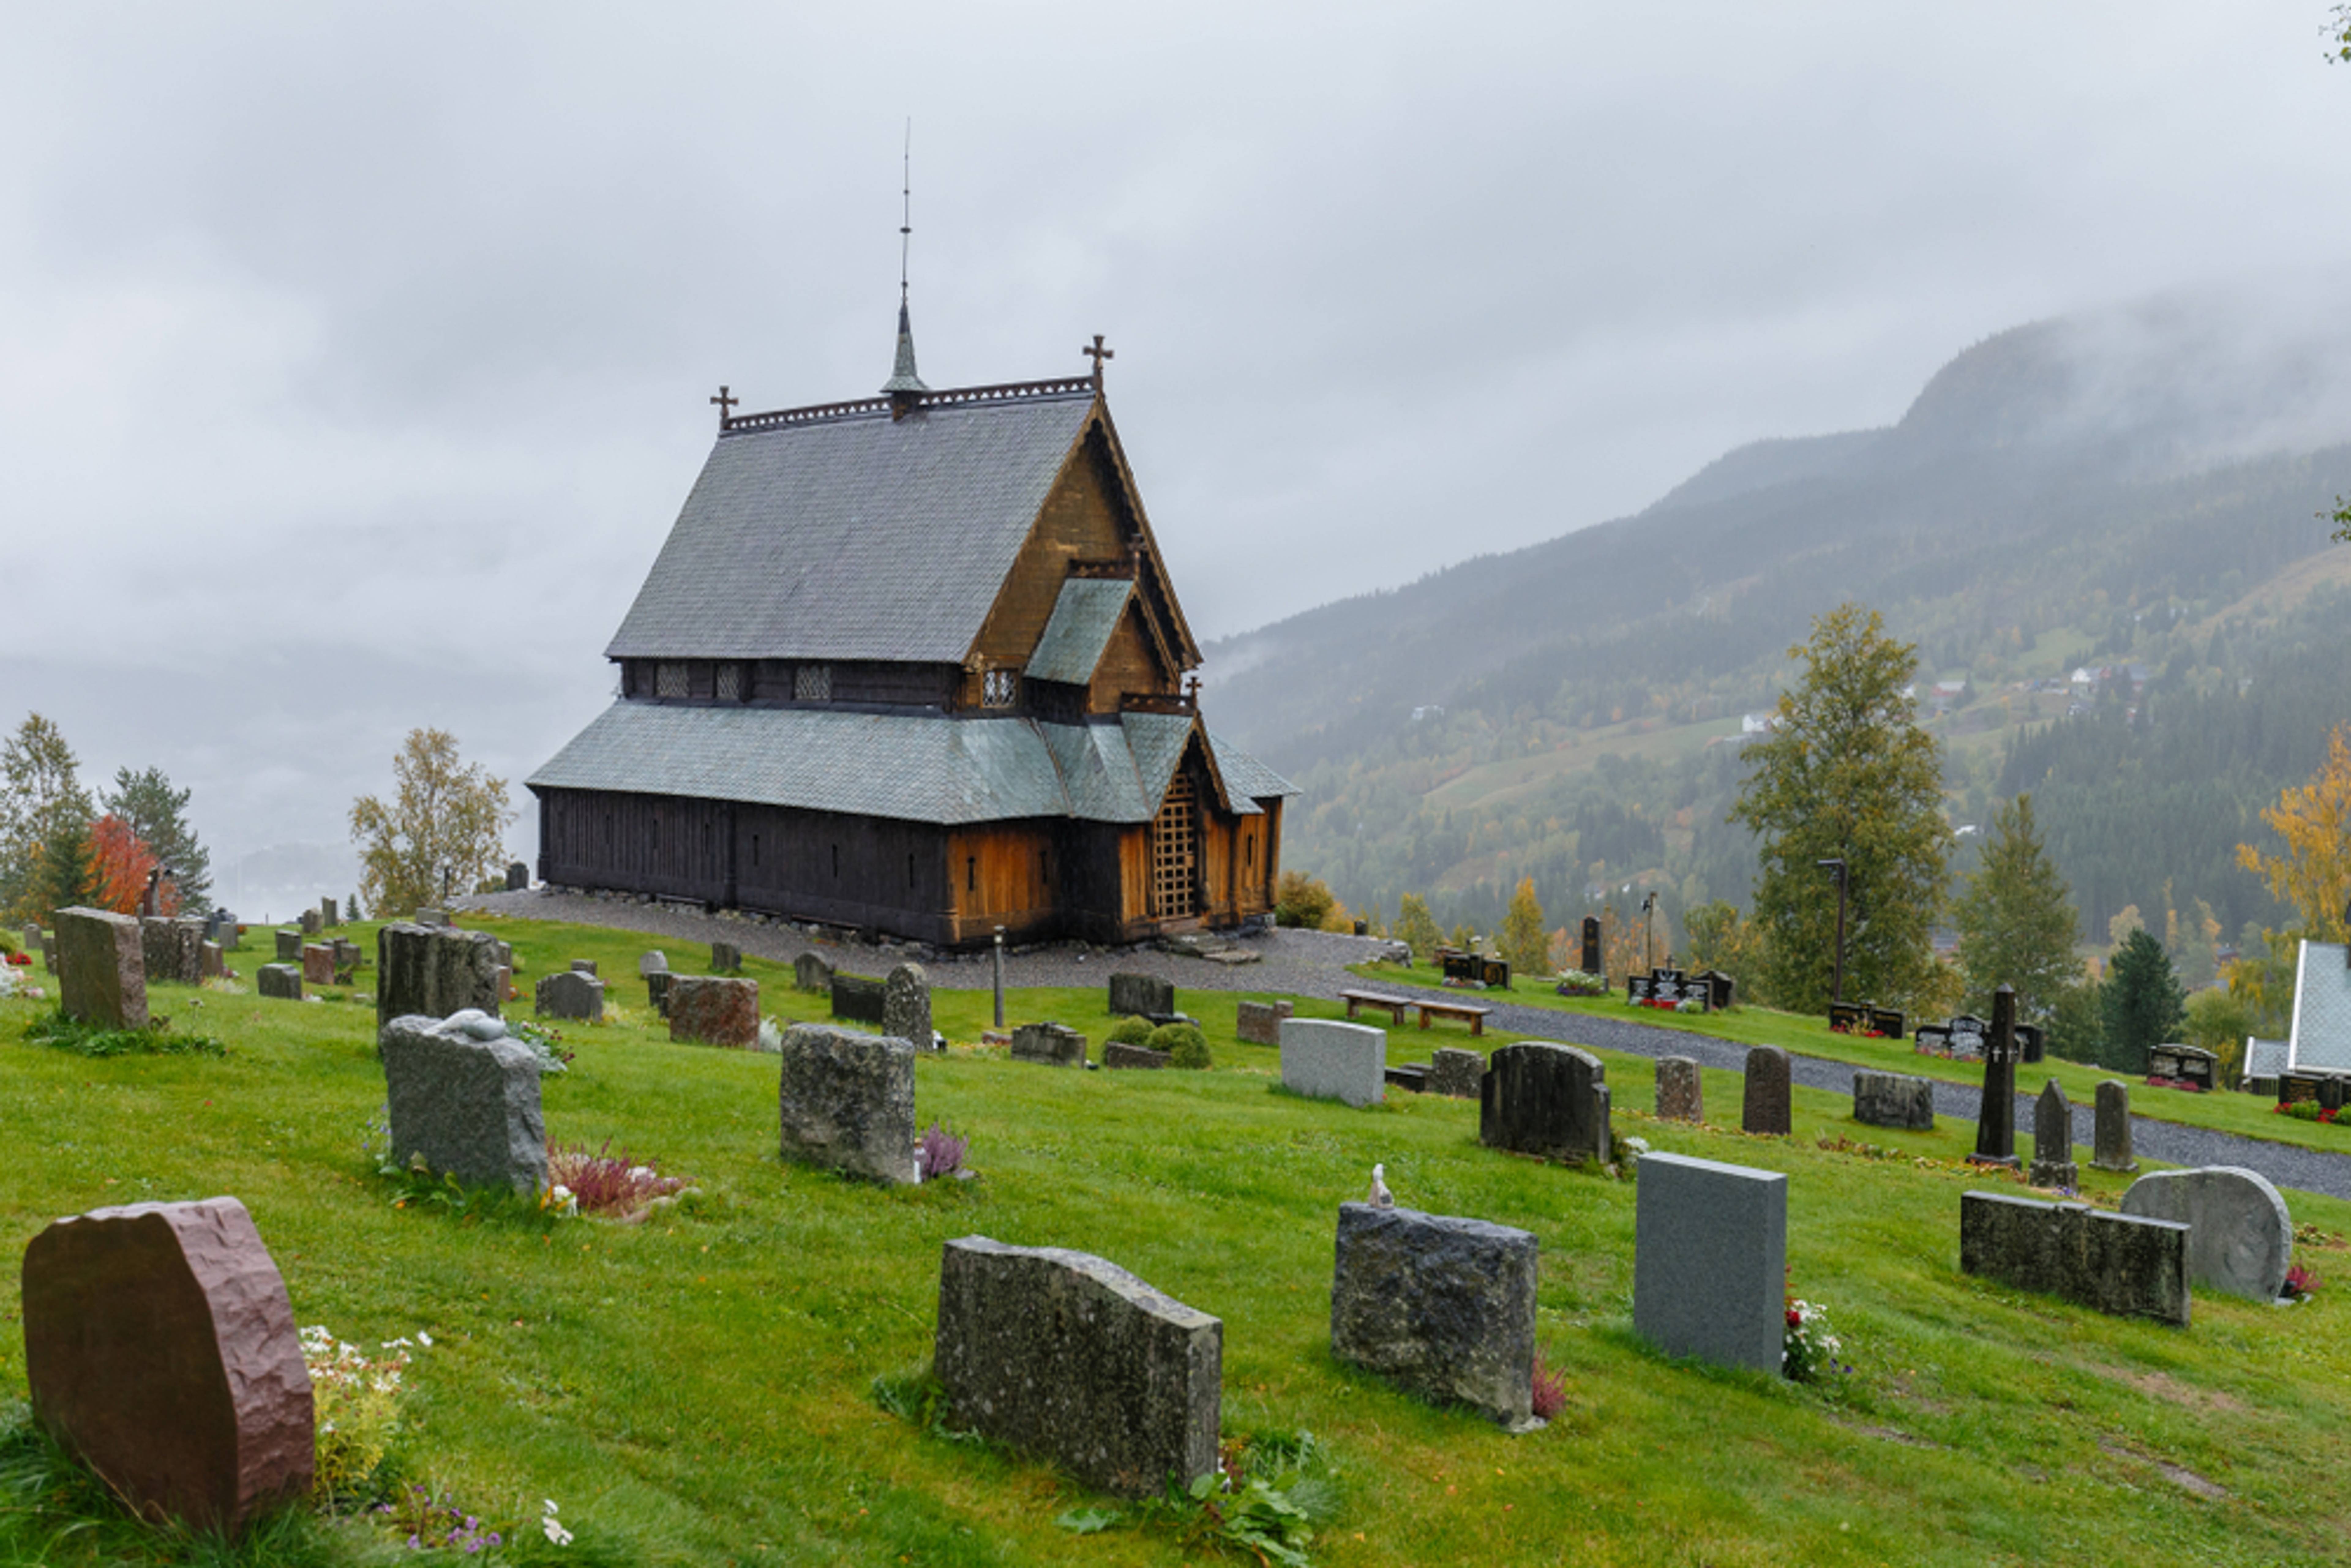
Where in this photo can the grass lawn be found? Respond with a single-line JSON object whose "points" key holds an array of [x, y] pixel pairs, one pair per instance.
{"points": [[2248, 1115], [695, 1390]]}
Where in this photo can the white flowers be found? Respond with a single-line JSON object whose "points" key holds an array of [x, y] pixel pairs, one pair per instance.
{"points": [[555, 1534], [562, 1199]]}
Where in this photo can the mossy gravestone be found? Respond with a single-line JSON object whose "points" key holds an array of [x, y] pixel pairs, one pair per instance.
{"points": [[1442, 1306], [160, 1349], [906, 1006], [433, 971], [102, 964], [1539, 1097], [847, 1101]]}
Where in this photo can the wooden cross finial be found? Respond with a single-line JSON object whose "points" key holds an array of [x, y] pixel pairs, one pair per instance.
{"points": [[1099, 354], [725, 401]]}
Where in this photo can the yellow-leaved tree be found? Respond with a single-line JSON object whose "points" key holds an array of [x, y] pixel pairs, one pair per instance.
{"points": [[444, 831], [1524, 943], [2313, 874]]}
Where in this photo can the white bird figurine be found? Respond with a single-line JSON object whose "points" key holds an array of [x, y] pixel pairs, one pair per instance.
{"points": [[1381, 1197]]}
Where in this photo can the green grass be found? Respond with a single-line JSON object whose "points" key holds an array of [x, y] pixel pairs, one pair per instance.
{"points": [[697, 1389], [2248, 1115]]}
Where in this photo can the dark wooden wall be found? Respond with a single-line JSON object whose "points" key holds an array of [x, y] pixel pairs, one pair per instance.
{"points": [[768, 683]]}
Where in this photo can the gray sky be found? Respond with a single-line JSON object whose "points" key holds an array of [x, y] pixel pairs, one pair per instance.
{"points": [[353, 361]]}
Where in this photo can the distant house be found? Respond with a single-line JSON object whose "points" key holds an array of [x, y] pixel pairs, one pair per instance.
{"points": [[1755, 724], [2320, 1038]]}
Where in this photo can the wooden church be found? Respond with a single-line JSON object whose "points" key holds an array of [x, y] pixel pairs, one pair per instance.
{"points": [[914, 664]]}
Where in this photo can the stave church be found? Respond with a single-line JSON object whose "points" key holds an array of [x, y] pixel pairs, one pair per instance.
{"points": [[912, 664]]}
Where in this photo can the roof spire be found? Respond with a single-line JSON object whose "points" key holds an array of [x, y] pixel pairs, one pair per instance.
{"points": [[904, 383]]}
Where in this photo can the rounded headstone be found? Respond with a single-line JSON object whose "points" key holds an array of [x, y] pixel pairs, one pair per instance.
{"points": [[1681, 1092], [2241, 1238], [1764, 1105]]}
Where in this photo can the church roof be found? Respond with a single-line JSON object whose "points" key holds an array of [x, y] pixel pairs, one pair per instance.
{"points": [[2321, 1037], [923, 767], [844, 533], [1084, 616]]}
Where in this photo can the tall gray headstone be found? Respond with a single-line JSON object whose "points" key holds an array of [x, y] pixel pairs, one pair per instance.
{"points": [[848, 1102], [1710, 1260], [102, 967], [1323, 1058], [1765, 1097], [2053, 1140], [1071, 1358], [2240, 1235], [434, 971], [289, 947], [2112, 1149], [465, 1098], [906, 1006], [1442, 1306], [1539, 1097]]}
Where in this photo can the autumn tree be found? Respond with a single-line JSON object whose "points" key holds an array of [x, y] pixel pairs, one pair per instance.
{"points": [[446, 827], [1304, 901], [2016, 920], [121, 862], [45, 816], [157, 816], [1523, 942], [1416, 927], [2143, 1003], [1846, 774], [1720, 938], [2312, 873]]}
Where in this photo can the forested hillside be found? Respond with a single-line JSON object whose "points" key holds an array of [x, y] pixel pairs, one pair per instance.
{"points": [[2135, 493]]}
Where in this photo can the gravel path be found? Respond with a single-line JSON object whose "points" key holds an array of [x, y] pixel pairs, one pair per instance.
{"points": [[1314, 964]]}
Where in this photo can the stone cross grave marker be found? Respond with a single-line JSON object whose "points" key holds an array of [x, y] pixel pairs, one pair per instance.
{"points": [[2053, 1140], [1996, 1117], [1539, 1097], [1681, 1092], [1764, 1097], [1445, 1307], [712, 1009], [102, 968], [2240, 1235], [848, 1102], [1894, 1100], [1710, 1260], [1323, 1058], [2112, 1149], [465, 1098]]}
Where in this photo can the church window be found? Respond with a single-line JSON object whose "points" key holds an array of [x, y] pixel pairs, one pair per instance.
{"points": [[971, 874], [755, 848], [910, 871], [812, 683], [1249, 853], [1174, 845], [669, 678], [730, 683], [836, 860], [999, 688]]}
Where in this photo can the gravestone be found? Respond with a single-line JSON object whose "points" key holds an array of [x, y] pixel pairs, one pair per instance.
{"points": [[160, 1349], [711, 1009], [657, 991], [1050, 1044], [1146, 994], [1118, 1054], [2240, 1235], [812, 973], [1894, 1100], [327, 916], [346, 960], [2188, 1064], [170, 948], [505, 955], [2116, 1264], [49, 954], [1412, 1075], [209, 961], [32, 938], [518, 876], [1443, 1307], [289, 947], [311, 924], [434, 971], [507, 992], [1260, 1023], [858, 998], [847, 1100], [1721, 990], [725, 958], [101, 967], [1996, 1115], [570, 994], [1591, 964], [1066, 1356], [2031, 1043], [1886, 1022], [318, 963], [1764, 1097], [655, 961], [1710, 1260], [280, 982], [464, 1098], [2112, 1149], [1848, 1017], [1538, 1097], [1456, 1073], [1681, 1090], [1323, 1058], [906, 1007], [584, 967], [232, 936], [436, 918], [2053, 1140]]}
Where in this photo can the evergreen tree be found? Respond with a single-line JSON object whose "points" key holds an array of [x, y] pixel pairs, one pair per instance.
{"points": [[157, 816], [1416, 927], [1846, 773], [2016, 920], [2142, 1001], [44, 810], [2077, 1023], [64, 876], [1524, 943]]}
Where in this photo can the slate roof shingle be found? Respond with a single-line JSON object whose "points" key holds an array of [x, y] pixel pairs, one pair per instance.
{"points": [[1084, 615], [2321, 1038]]}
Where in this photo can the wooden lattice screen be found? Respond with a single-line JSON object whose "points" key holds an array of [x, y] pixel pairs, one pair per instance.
{"points": [[1174, 853]]}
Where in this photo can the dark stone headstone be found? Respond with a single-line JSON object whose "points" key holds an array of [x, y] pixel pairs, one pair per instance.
{"points": [[812, 973], [1996, 1118], [1710, 1260], [1443, 1307], [1764, 1104], [161, 1348], [289, 947], [1455, 1073], [657, 986], [101, 966], [1260, 1023], [434, 971], [725, 958], [570, 995], [209, 958], [2110, 1262], [2111, 1151], [906, 1007], [328, 916], [318, 963], [712, 1009], [311, 924], [1591, 963], [1894, 1100], [858, 998], [170, 948], [1412, 1075], [1144, 994], [1050, 1044], [1117, 1053], [1681, 1092], [1721, 990], [583, 967], [1542, 1098], [346, 960], [465, 1098], [2031, 1043], [49, 955], [1066, 1356], [518, 876], [2053, 1140], [2240, 1235], [848, 1102], [279, 982]]}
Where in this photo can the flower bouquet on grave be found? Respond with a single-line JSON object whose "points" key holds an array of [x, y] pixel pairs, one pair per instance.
{"points": [[2154, 1082], [1579, 983], [1809, 1350]]}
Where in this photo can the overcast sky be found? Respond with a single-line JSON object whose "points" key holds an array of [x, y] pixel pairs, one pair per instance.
{"points": [[353, 361]]}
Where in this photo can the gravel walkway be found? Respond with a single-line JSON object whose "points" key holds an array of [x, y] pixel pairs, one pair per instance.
{"points": [[1314, 964]]}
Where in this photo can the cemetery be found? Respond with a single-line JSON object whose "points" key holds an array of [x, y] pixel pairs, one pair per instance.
{"points": [[758, 1371]]}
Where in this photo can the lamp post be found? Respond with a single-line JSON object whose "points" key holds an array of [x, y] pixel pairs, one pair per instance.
{"points": [[999, 977], [1835, 867]]}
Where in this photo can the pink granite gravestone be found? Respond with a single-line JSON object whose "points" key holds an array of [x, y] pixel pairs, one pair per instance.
{"points": [[161, 1348]]}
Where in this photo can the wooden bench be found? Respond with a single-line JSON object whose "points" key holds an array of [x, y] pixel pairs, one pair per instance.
{"points": [[1475, 1017], [1395, 1006]]}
